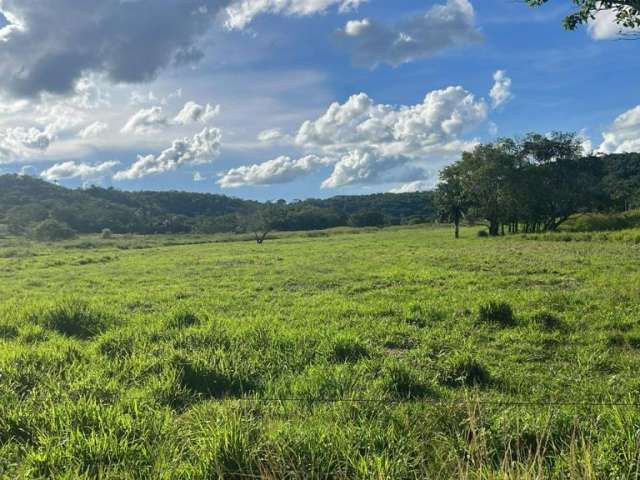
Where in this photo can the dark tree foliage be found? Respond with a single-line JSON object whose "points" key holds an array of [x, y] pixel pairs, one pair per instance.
{"points": [[627, 12], [367, 218], [27, 201], [536, 183]]}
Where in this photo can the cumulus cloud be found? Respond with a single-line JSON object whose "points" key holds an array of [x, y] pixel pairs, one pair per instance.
{"points": [[501, 90], [242, 12], [431, 127], [361, 167], [193, 113], [279, 170], [604, 27], [93, 130], [370, 143], [147, 120], [119, 39], [84, 171], [441, 27], [624, 135], [415, 186], [202, 148], [270, 135]]}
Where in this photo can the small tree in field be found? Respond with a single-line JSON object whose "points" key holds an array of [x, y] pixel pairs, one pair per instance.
{"points": [[450, 197], [264, 221]]}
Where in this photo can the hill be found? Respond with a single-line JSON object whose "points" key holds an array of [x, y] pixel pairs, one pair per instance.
{"points": [[26, 201]]}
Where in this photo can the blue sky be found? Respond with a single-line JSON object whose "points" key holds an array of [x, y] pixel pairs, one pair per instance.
{"points": [[235, 96]]}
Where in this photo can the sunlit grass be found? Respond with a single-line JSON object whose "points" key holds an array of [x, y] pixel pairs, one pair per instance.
{"points": [[195, 358]]}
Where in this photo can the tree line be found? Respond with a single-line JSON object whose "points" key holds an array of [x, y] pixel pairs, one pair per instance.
{"points": [[32, 207], [535, 183]]}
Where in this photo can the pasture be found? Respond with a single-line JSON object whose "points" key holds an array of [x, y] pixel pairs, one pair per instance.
{"points": [[397, 353]]}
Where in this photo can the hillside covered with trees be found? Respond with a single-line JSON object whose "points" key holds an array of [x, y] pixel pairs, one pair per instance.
{"points": [[27, 202]]}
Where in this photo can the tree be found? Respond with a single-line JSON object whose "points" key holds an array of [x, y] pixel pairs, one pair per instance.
{"points": [[451, 197], [264, 221], [52, 230], [627, 12], [367, 218]]}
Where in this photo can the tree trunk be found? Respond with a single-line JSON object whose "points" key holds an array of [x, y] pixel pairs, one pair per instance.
{"points": [[457, 228]]}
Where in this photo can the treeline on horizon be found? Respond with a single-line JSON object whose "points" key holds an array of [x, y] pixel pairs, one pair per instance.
{"points": [[535, 184], [29, 205]]}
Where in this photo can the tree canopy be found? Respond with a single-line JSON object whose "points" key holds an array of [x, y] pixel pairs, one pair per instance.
{"points": [[627, 12], [536, 183]]}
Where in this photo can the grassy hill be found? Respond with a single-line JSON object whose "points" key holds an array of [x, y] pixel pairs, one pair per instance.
{"points": [[394, 355]]}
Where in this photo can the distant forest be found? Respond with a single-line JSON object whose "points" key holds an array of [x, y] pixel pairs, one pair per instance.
{"points": [[27, 202]]}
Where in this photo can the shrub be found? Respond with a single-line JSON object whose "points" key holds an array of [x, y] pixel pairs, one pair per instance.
{"points": [[106, 234], [463, 369], [75, 319], [483, 233], [53, 231], [497, 312]]}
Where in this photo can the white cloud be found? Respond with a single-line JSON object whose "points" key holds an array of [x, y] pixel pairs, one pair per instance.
{"points": [[415, 186], [242, 12], [360, 167], [429, 128], [270, 135], [604, 27], [198, 177], [93, 130], [202, 148], [193, 113], [501, 90], [624, 135], [279, 170], [68, 170], [147, 120], [441, 27], [370, 143]]}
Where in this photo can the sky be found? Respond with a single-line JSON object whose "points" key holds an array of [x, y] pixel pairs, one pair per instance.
{"points": [[270, 99]]}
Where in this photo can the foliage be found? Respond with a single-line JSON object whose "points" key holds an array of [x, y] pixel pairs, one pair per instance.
{"points": [[51, 230], [536, 183], [627, 12], [27, 201]]}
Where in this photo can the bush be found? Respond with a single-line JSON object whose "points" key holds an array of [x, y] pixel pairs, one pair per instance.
{"points": [[106, 234], [75, 319], [497, 312], [483, 233], [53, 231]]}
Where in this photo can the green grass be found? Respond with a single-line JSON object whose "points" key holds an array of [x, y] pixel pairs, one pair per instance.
{"points": [[203, 357]]}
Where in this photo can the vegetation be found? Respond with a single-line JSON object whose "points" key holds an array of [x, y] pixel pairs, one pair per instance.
{"points": [[536, 184], [396, 353], [627, 12], [25, 202]]}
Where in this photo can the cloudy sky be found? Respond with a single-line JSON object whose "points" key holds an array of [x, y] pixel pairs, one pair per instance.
{"points": [[271, 99]]}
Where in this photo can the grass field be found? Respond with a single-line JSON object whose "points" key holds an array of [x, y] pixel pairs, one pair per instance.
{"points": [[398, 353]]}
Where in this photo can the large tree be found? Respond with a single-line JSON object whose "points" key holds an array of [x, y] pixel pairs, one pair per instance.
{"points": [[451, 197], [627, 12]]}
